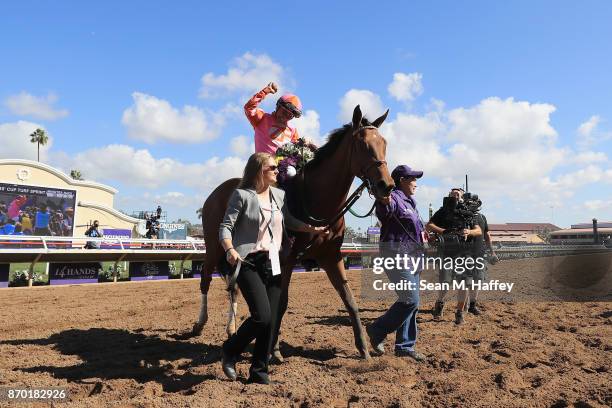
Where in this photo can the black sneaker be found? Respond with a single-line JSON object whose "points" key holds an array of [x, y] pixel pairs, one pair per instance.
{"points": [[437, 310], [459, 317], [415, 355], [376, 343], [228, 363], [473, 309]]}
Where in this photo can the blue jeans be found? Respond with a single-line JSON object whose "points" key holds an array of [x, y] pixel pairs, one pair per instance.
{"points": [[401, 316]]}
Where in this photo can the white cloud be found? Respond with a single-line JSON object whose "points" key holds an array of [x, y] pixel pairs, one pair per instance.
{"points": [[242, 146], [416, 141], [151, 119], [598, 205], [15, 141], [406, 87], [586, 128], [308, 126], [139, 168], [589, 133], [39, 107], [589, 157], [506, 147], [247, 73], [573, 180], [503, 124], [370, 104]]}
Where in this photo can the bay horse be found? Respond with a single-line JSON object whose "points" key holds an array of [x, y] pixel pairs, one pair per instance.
{"points": [[315, 196]]}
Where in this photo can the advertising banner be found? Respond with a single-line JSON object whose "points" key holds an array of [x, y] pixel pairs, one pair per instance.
{"points": [[4, 275], [32, 210], [111, 233], [149, 270], [71, 273], [196, 268], [172, 231]]}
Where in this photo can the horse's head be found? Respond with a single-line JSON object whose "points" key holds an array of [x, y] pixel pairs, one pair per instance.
{"points": [[369, 152]]}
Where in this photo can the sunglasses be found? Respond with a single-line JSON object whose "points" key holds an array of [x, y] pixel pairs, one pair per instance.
{"points": [[290, 109], [271, 168]]}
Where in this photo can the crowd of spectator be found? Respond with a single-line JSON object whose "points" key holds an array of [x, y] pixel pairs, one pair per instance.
{"points": [[29, 216]]}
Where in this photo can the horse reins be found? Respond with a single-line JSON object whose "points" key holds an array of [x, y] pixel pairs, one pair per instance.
{"points": [[348, 203]]}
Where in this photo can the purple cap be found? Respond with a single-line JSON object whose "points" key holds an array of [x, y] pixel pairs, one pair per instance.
{"points": [[405, 171]]}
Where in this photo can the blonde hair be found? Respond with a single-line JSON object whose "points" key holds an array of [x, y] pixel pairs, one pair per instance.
{"points": [[253, 176]]}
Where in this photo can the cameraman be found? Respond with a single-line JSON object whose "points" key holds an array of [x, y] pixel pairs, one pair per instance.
{"points": [[455, 224], [93, 232], [481, 244]]}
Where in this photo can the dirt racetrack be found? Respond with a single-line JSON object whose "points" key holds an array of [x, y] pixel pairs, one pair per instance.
{"points": [[122, 345]]}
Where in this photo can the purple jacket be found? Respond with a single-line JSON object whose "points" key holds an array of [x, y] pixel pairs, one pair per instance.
{"points": [[409, 232]]}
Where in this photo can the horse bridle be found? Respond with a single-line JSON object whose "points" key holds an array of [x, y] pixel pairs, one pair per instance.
{"points": [[348, 203], [352, 199], [363, 173]]}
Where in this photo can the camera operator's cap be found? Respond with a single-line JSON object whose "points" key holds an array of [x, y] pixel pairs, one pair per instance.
{"points": [[405, 171]]}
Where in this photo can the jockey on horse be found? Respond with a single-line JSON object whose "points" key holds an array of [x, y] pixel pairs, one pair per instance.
{"points": [[274, 134], [272, 130]]}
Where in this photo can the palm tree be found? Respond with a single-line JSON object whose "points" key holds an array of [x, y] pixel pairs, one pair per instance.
{"points": [[39, 136], [76, 174], [199, 212]]}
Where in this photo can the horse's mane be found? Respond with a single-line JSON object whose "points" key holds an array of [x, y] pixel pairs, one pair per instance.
{"points": [[333, 141]]}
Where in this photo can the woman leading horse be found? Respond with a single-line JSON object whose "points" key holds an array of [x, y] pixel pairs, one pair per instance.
{"points": [[316, 196]]}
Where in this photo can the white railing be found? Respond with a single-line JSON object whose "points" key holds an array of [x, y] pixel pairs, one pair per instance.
{"points": [[19, 242]]}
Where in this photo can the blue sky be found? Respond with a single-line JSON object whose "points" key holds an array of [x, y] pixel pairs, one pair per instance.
{"points": [[516, 93]]}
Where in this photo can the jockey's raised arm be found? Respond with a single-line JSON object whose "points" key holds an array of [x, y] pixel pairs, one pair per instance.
{"points": [[273, 130]]}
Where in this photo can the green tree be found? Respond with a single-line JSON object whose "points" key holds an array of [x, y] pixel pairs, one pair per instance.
{"points": [[39, 136], [350, 233], [76, 174]]}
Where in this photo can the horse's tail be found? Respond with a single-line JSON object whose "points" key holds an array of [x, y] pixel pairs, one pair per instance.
{"points": [[213, 211]]}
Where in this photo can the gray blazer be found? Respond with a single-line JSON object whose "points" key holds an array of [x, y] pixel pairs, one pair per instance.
{"points": [[242, 219]]}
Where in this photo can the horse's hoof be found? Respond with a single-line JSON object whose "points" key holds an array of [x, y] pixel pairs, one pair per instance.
{"points": [[197, 329], [276, 357], [365, 355]]}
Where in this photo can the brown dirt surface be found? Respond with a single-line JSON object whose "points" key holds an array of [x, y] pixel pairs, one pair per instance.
{"points": [[123, 345]]}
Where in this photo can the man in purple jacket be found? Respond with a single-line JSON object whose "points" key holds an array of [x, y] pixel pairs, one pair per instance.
{"points": [[402, 232]]}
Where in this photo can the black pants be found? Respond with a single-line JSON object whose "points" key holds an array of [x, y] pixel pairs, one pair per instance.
{"points": [[262, 293]]}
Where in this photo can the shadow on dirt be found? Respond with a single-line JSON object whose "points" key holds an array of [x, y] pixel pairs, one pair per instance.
{"points": [[121, 354]]}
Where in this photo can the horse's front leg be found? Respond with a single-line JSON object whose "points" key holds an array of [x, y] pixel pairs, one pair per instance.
{"points": [[337, 276]]}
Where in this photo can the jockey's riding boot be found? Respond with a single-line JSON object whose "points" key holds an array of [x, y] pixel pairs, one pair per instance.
{"points": [[437, 310]]}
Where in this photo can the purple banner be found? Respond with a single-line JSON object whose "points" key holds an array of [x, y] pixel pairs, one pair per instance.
{"points": [[4, 275], [115, 234], [72, 273], [149, 270], [112, 233]]}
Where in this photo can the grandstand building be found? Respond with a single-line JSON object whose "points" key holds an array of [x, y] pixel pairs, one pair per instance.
{"points": [[517, 233], [27, 186], [583, 234]]}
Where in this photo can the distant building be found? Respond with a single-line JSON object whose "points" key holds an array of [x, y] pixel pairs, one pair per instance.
{"points": [[373, 235], [29, 189], [515, 233], [583, 234]]}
